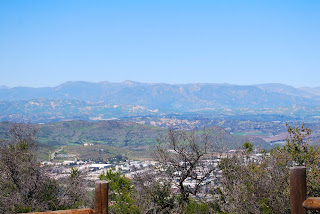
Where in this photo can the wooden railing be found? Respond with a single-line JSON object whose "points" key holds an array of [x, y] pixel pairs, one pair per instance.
{"points": [[298, 192], [100, 202]]}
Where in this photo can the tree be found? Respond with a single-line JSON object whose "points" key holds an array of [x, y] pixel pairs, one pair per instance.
{"points": [[24, 185], [297, 146], [302, 154], [260, 184], [74, 194], [120, 193], [151, 195], [186, 156], [254, 184]]}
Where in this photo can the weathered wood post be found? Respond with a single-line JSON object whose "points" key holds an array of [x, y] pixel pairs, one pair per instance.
{"points": [[298, 189], [101, 197]]}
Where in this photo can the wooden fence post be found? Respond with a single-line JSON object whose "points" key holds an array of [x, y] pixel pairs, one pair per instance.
{"points": [[101, 197], [298, 189]]}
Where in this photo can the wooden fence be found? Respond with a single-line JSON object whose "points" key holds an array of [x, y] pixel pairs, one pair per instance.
{"points": [[100, 202], [298, 192]]}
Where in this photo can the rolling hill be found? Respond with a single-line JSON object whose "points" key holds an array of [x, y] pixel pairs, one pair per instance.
{"points": [[128, 136]]}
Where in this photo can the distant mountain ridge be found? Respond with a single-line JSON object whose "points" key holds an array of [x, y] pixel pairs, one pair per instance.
{"points": [[46, 110], [4, 87], [176, 97], [286, 89], [314, 91]]}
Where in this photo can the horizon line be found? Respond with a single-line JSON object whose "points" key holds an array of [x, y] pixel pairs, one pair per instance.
{"points": [[3, 86]]}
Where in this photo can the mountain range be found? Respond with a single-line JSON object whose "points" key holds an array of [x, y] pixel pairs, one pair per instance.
{"points": [[89, 101], [176, 97]]}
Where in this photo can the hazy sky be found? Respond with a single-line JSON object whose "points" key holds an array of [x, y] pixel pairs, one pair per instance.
{"points": [[48, 42]]}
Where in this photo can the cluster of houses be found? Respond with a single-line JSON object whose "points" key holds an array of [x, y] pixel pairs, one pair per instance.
{"points": [[130, 168], [93, 170]]}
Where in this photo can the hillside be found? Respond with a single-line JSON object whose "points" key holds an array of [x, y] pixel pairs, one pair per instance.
{"points": [[45, 110], [118, 137], [126, 135]]}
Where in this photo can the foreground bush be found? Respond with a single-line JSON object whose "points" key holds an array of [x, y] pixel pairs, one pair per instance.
{"points": [[253, 184]]}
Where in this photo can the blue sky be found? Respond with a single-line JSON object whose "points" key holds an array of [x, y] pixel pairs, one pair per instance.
{"points": [[45, 43]]}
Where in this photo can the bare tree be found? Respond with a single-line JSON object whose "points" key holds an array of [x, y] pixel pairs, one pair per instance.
{"points": [[153, 195], [186, 156], [24, 186], [74, 193]]}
